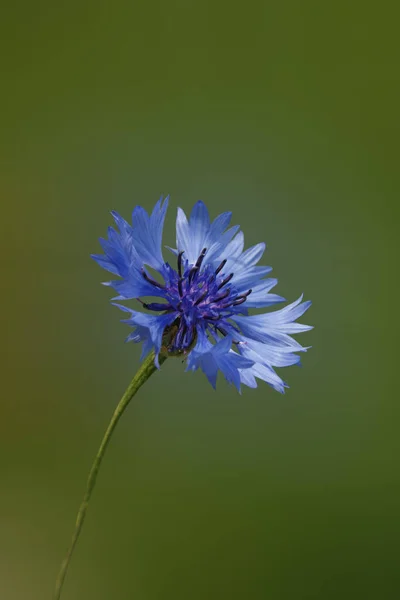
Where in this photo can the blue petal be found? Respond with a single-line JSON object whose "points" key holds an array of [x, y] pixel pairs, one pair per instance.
{"points": [[274, 326], [247, 378], [217, 227], [147, 233], [183, 237], [217, 248], [197, 233], [202, 346], [230, 364], [259, 296], [120, 252], [123, 258], [218, 357], [268, 300], [209, 368], [155, 324], [141, 334], [135, 287], [105, 263], [231, 251], [201, 356], [288, 314], [199, 225], [250, 257], [123, 226], [268, 354], [248, 278], [242, 264], [222, 347], [268, 375]]}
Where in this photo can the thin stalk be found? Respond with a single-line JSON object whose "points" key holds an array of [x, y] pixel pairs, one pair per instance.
{"points": [[146, 369]]}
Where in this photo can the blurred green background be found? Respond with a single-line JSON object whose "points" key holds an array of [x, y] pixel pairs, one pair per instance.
{"points": [[287, 114]]}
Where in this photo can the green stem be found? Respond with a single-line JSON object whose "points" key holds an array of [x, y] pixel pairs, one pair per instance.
{"points": [[146, 369]]}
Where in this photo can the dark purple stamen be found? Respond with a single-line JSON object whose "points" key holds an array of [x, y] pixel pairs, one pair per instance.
{"points": [[242, 298], [180, 263], [225, 281], [158, 306], [152, 281], [189, 335], [239, 301], [180, 290], [155, 305], [201, 258], [201, 298], [236, 301], [197, 266], [184, 336], [179, 336], [221, 330], [246, 294], [192, 273], [221, 266], [222, 296]]}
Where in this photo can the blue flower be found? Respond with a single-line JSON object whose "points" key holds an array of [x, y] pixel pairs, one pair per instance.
{"points": [[201, 307]]}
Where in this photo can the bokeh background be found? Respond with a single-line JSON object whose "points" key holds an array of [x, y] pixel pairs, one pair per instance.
{"points": [[285, 113]]}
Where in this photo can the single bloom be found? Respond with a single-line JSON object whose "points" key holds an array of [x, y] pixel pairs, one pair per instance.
{"points": [[199, 309]]}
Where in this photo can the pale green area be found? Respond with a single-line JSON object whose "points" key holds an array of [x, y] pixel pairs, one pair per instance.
{"points": [[287, 114]]}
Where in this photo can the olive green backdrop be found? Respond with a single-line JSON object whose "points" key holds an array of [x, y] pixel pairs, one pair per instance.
{"points": [[285, 113]]}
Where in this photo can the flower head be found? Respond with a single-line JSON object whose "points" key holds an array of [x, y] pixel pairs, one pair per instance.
{"points": [[201, 307]]}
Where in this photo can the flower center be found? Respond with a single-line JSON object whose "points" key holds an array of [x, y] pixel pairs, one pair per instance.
{"points": [[198, 295]]}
